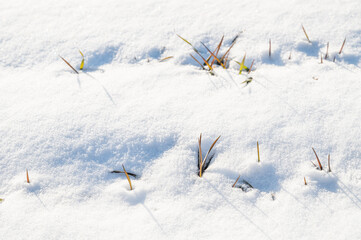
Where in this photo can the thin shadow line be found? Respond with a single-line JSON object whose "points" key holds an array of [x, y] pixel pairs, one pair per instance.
{"points": [[154, 219], [105, 90], [235, 208]]}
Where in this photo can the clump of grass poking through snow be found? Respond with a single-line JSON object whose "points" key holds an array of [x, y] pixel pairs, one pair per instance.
{"points": [[244, 185], [222, 61], [203, 164]]}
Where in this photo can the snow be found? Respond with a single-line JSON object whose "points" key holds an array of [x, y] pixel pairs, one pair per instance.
{"points": [[70, 130]]}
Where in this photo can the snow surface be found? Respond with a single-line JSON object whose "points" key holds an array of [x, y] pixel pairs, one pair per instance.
{"points": [[128, 108]]}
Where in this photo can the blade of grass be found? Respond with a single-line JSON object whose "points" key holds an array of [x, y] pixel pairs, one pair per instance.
{"points": [[234, 184], [326, 56], [130, 174], [321, 59], [166, 58], [27, 176], [304, 178], [200, 160], [210, 149], [225, 60], [194, 49], [214, 56], [250, 68], [69, 65], [304, 30], [217, 50], [343, 44], [197, 61], [126, 174], [329, 163], [229, 49], [259, 160], [242, 66], [82, 61], [318, 160]]}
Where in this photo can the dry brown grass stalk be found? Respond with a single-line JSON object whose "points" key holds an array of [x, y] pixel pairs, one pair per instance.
{"points": [[343, 44], [69, 65], [318, 160], [27, 176], [234, 184], [126, 174], [304, 30]]}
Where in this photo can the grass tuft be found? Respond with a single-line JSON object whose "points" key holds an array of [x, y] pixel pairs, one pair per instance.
{"points": [[213, 55], [203, 164], [126, 174]]}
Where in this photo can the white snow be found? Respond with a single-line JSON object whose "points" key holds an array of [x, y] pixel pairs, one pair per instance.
{"points": [[128, 108]]}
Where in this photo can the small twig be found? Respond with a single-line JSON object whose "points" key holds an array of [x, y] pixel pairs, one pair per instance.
{"points": [[321, 59], [304, 178], [343, 44], [304, 30], [234, 184], [289, 57]]}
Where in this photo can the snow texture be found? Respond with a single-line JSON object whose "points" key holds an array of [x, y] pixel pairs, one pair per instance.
{"points": [[126, 107]]}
